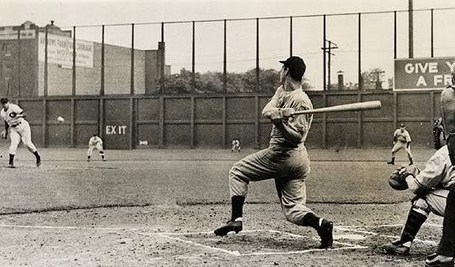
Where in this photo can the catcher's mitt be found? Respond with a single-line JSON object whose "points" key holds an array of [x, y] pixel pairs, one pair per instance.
{"points": [[397, 179], [439, 139]]}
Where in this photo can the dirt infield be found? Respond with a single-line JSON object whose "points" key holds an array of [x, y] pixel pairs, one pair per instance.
{"points": [[159, 207]]}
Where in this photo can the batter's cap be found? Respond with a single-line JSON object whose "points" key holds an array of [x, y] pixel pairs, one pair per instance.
{"points": [[4, 100], [296, 67], [402, 125]]}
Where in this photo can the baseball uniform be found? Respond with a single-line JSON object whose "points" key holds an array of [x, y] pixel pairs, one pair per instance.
{"points": [[19, 130], [95, 142], [431, 188], [235, 145], [402, 139]]}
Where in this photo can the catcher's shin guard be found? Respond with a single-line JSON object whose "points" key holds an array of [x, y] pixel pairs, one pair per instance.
{"points": [[451, 147]]}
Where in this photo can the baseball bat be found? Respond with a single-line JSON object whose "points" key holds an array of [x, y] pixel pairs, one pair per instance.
{"points": [[346, 107]]}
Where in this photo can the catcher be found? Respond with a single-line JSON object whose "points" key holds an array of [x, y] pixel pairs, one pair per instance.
{"points": [[431, 187]]}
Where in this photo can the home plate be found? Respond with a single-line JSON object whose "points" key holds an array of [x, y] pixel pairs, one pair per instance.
{"points": [[349, 237]]}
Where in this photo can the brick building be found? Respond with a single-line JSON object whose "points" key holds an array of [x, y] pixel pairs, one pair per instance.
{"points": [[23, 64]]}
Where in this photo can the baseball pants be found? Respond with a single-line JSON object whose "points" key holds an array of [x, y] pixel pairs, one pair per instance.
{"points": [[288, 168], [435, 202], [400, 145], [99, 147], [21, 131]]}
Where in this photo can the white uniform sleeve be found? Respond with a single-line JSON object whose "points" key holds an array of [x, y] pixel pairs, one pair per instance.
{"points": [[433, 174], [16, 108]]}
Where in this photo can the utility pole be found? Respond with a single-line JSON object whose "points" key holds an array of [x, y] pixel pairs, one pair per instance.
{"points": [[328, 49]]}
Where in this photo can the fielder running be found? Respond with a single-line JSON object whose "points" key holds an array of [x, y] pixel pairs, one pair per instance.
{"points": [[401, 139], [431, 187], [285, 160], [95, 142], [13, 116]]}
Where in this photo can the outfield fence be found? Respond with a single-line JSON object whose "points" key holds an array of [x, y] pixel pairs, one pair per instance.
{"points": [[212, 121]]}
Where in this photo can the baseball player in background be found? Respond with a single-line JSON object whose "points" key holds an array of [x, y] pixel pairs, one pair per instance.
{"points": [[401, 139], [285, 160], [18, 127], [95, 142], [235, 145], [446, 250], [431, 187]]}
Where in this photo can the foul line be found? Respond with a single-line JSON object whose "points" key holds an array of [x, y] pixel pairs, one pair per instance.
{"points": [[234, 253]]}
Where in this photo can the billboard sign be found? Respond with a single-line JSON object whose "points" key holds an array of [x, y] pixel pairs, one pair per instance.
{"points": [[423, 73], [60, 51]]}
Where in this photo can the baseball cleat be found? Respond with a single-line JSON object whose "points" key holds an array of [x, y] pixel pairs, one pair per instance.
{"points": [[231, 226], [38, 162], [325, 231], [435, 260], [396, 248]]}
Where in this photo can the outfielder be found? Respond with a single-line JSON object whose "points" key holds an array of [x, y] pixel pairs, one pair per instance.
{"points": [[285, 160], [235, 145], [431, 187], [401, 139], [446, 249], [95, 142], [13, 116]]}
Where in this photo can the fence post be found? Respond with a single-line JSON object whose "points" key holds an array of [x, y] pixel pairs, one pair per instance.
{"points": [[360, 53], [256, 123], [394, 34], [132, 61], [73, 88], [223, 122], [324, 59], [290, 36], [225, 58], [44, 120], [257, 55], [192, 127], [161, 141], [324, 121], [19, 43], [359, 123], [193, 59], [432, 33], [73, 123], [132, 121], [102, 61], [45, 62]]}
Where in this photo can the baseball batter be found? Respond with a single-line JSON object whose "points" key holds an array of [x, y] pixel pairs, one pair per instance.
{"points": [[95, 142], [235, 145], [401, 139], [285, 160], [431, 187], [13, 116]]}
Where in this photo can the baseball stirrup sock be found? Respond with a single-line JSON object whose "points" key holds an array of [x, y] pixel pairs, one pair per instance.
{"points": [[237, 207], [447, 245], [311, 220], [36, 155], [412, 225], [11, 159]]}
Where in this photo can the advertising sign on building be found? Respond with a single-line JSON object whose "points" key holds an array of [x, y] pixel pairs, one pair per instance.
{"points": [[14, 34], [60, 51], [423, 73]]}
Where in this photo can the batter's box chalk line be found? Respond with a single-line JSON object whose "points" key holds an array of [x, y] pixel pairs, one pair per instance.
{"points": [[176, 237], [357, 229]]}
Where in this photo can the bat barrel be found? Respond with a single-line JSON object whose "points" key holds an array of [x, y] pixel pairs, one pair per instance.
{"points": [[346, 107]]}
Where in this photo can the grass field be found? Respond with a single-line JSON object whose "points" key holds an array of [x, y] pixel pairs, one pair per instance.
{"points": [[158, 208]]}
